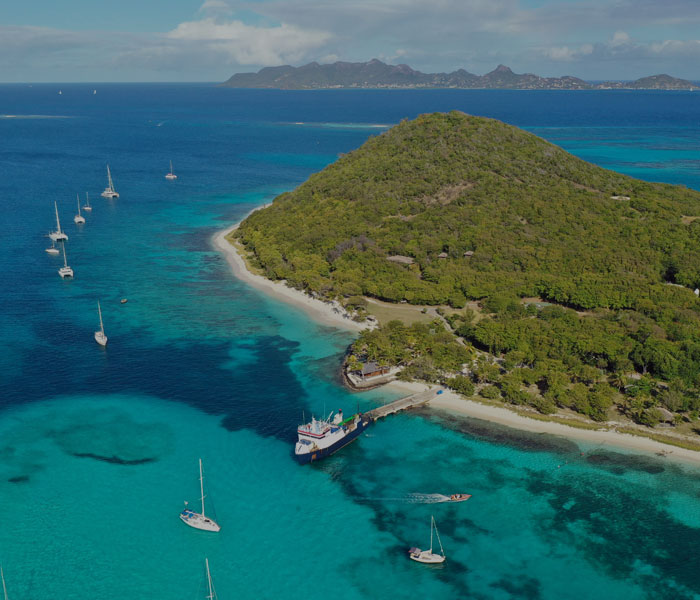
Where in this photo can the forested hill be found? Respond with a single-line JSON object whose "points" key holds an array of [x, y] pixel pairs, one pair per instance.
{"points": [[481, 207], [450, 208]]}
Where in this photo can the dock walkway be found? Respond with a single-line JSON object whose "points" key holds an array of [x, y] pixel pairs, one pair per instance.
{"points": [[402, 404]]}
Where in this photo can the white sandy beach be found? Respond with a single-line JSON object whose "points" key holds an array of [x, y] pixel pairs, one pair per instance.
{"points": [[455, 403], [320, 311], [327, 314]]}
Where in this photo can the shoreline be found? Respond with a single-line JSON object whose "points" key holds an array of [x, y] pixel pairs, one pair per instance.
{"points": [[321, 312], [454, 403], [326, 314]]}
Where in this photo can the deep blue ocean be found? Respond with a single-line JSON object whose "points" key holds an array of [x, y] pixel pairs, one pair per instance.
{"points": [[99, 447]]}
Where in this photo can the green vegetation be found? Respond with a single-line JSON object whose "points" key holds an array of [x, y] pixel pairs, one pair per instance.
{"points": [[491, 213]]}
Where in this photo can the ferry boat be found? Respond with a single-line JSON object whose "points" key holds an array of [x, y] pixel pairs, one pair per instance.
{"points": [[321, 438]]}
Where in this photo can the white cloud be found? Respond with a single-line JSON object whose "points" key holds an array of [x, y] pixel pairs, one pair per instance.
{"points": [[247, 44], [623, 47]]}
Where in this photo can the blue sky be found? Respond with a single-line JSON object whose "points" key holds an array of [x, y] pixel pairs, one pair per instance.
{"points": [[209, 40]]}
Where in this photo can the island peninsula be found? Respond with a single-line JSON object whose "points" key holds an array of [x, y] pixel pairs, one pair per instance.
{"points": [[535, 280]]}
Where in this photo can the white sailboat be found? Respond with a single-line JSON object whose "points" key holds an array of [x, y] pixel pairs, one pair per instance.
{"points": [[78, 219], [100, 336], [109, 190], [171, 175], [53, 249], [195, 519], [4, 589], [210, 586], [58, 235], [427, 556], [86, 206], [65, 270]]}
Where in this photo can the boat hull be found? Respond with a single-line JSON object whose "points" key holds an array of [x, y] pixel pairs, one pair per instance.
{"points": [[425, 556], [321, 453], [100, 338], [196, 520]]}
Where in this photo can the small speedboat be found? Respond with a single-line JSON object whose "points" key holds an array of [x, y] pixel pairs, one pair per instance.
{"points": [[124, 300], [458, 497]]}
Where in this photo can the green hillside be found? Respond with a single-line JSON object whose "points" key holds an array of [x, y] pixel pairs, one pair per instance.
{"points": [[539, 221], [492, 213]]}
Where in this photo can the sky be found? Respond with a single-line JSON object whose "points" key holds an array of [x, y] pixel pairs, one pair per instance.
{"points": [[195, 40]]}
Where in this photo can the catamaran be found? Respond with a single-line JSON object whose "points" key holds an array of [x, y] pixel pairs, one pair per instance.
{"points": [[109, 190], [171, 175], [195, 519], [78, 219], [87, 206], [212, 593], [427, 556], [100, 336], [58, 235], [65, 270]]}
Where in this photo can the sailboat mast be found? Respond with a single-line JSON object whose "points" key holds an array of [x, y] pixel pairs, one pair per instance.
{"points": [[65, 262], [211, 587], [109, 180], [99, 312], [77, 197], [4, 589], [432, 522], [201, 484], [58, 223]]}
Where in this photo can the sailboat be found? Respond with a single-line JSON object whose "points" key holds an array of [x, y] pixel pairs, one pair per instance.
{"points": [[58, 235], [199, 520], [171, 175], [78, 219], [109, 190], [427, 556], [210, 586], [53, 249], [65, 270], [87, 206], [100, 336], [4, 589]]}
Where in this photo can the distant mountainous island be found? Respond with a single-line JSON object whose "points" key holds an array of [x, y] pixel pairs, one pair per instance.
{"points": [[376, 74]]}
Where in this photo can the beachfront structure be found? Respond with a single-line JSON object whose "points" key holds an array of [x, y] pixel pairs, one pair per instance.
{"points": [[372, 369]]}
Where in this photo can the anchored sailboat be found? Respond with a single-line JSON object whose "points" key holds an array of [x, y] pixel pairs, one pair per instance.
{"points": [[78, 219], [427, 556], [65, 270], [109, 190], [58, 235], [199, 520], [100, 336], [171, 175], [87, 206]]}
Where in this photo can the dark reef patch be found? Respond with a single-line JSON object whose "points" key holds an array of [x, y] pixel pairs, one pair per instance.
{"points": [[115, 460], [619, 463], [18, 479], [506, 436], [520, 588]]}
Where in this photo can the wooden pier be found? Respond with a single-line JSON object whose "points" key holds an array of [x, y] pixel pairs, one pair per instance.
{"points": [[402, 404]]}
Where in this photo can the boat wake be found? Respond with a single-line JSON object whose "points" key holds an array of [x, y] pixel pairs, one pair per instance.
{"points": [[415, 499], [427, 498]]}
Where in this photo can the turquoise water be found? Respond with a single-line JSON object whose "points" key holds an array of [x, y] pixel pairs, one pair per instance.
{"points": [[99, 448]]}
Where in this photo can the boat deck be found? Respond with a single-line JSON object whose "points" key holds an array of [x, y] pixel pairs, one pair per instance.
{"points": [[402, 404]]}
